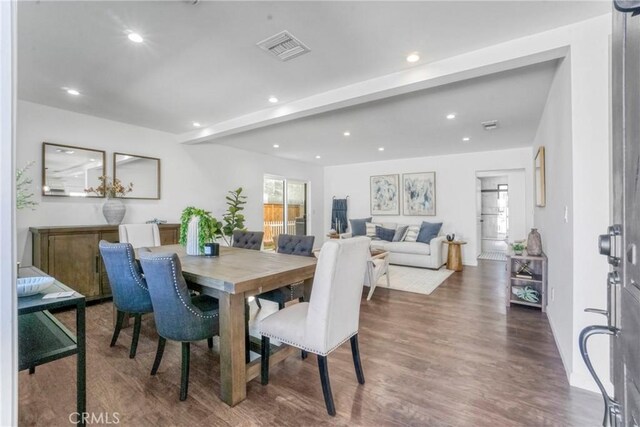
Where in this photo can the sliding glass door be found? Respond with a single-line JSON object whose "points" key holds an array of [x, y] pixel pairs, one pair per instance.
{"points": [[285, 208]]}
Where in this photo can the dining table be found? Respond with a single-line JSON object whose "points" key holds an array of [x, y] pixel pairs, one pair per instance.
{"points": [[232, 277]]}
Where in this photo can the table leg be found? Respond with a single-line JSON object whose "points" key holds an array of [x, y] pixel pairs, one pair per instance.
{"points": [[232, 349], [81, 391]]}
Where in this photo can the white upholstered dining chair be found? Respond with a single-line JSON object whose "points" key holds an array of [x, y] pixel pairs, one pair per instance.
{"points": [[140, 235], [331, 316]]}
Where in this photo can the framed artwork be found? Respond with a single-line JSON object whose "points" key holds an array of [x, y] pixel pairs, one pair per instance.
{"points": [[419, 193], [541, 196], [385, 195]]}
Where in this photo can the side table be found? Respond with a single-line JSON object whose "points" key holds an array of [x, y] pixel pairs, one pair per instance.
{"points": [[454, 258]]}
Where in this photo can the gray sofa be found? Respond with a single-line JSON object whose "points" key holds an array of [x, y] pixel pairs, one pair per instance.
{"points": [[413, 254]]}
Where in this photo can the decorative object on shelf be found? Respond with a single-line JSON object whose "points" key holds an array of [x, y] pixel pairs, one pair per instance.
{"points": [[419, 193], [518, 248], [113, 209], [157, 221], [28, 286], [541, 191], [523, 270], [534, 243], [23, 189], [385, 194], [451, 237], [527, 293]]}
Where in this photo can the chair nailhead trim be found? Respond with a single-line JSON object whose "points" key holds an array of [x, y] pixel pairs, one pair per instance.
{"points": [[309, 349], [130, 257], [175, 286]]}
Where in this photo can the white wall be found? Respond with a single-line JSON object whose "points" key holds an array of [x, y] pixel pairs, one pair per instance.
{"points": [[554, 133], [455, 188], [198, 175], [8, 297]]}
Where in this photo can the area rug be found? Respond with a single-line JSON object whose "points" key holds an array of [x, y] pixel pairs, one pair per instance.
{"points": [[416, 280], [493, 256]]}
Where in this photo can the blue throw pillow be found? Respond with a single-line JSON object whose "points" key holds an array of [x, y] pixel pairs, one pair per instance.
{"points": [[385, 233], [358, 227], [428, 231]]}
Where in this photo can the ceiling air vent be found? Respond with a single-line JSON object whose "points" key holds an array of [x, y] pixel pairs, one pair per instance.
{"points": [[490, 125], [284, 46]]}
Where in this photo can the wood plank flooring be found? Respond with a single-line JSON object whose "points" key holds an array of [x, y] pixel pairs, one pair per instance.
{"points": [[456, 357]]}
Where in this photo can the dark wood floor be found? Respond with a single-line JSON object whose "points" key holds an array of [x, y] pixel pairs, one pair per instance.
{"points": [[457, 357]]}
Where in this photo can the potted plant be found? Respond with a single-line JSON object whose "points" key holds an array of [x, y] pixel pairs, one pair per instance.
{"points": [[198, 226], [113, 209], [23, 189], [518, 247]]}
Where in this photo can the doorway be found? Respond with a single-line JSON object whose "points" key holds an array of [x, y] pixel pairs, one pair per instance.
{"points": [[285, 208], [494, 217]]}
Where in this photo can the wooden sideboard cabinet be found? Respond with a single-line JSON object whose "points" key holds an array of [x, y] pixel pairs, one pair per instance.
{"points": [[71, 254]]}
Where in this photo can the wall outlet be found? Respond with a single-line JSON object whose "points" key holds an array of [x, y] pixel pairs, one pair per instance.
{"points": [[553, 294]]}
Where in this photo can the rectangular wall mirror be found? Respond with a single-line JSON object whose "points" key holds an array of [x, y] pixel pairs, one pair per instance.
{"points": [[68, 170], [540, 178], [141, 171]]}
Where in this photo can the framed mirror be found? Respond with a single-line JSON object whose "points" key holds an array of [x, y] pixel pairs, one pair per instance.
{"points": [[540, 178], [68, 170], [141, 171]]}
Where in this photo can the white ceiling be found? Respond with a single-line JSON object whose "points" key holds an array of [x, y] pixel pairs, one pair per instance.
{"points": [[200, 63]]}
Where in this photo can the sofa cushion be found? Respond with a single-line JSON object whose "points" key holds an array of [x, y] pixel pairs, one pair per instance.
{"points": [[358, 227], [399, 234], [408, 248], [385, 233], [371, 229], [428, 231], [412, 233]]}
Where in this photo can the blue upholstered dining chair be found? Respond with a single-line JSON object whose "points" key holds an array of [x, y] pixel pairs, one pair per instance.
{"points": [[291, 245], [128, 286], [248, 239], [179, 316]]}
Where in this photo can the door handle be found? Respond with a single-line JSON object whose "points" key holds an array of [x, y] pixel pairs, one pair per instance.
{"points": [[597, 311], [612, 410], [609, 244]]}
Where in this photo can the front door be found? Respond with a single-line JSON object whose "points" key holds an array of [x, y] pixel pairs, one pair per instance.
{"points": [[620, 244]]}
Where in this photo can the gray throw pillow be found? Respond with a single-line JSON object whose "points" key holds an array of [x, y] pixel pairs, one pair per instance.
{"points": [[385, 233], [428, 231], [399, 234], [358, 227]]}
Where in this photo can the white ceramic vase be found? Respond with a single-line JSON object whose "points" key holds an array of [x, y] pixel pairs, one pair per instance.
{"points": [[113, 210], [193, 248]]}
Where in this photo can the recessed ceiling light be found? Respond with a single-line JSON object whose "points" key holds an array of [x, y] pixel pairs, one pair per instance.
{"points": [[69, 151], [92, 160], [273, 99], [466, 139], [135, 37], [73, 92], [451, 116], [413, 57], [196, 125], [276, 146], [347, 133], [380, 148], [317, 157]]}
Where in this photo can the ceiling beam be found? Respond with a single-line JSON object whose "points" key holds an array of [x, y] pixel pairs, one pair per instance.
{"points": [[470, 65]]}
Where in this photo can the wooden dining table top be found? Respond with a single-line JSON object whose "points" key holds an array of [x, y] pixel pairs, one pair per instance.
{"points": [[238, 270]]}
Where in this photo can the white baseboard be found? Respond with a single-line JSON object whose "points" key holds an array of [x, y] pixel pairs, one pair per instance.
{"points": [[585, 382], [567, 371]]}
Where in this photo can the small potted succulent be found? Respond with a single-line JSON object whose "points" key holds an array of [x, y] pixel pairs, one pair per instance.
{"points": [[518, 247]]}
